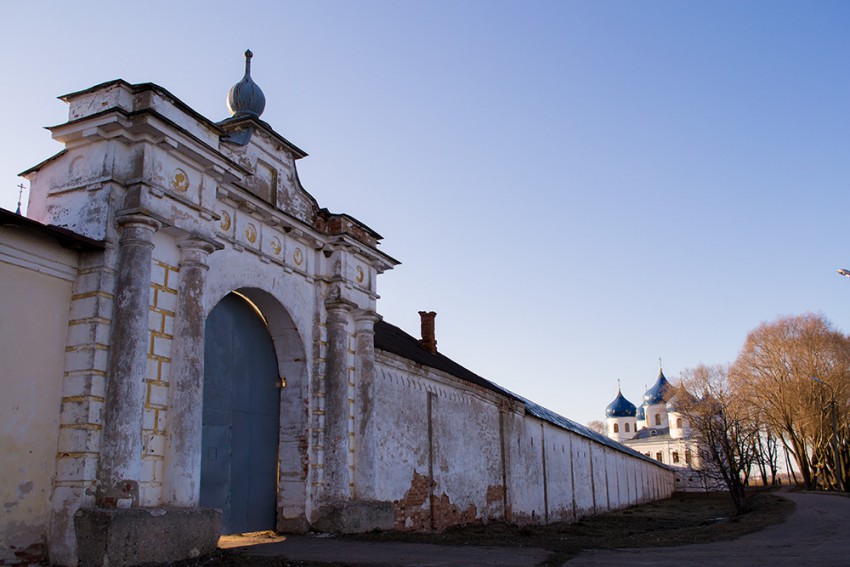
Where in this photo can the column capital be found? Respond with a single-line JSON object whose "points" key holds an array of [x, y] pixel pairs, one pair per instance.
{"points": [[364, 321], [138, 220], [197, 242], [338, 304], [194, 251], [137, 229]]}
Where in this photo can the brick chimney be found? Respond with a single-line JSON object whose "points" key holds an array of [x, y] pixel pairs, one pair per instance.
{"points": [[428, 340]]}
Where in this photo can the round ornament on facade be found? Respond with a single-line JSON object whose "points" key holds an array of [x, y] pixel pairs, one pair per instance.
{"points": [[225, 220], [275, 245], [251, 233], [298, 257], [360, 275], [180, 181]]}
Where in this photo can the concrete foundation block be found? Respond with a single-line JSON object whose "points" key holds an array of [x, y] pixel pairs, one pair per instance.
{"points": [[354, 517], [296, 525], [134, 536]]}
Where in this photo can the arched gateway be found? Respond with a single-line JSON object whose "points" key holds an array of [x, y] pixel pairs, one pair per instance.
{"points": [[241, 417], [255, 418]]}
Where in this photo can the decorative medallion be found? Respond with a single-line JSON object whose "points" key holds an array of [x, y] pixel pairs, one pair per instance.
{"points": [[225, 220], [251, 233], [275, 244], [298, 256], [180, 181], [360, 274]]}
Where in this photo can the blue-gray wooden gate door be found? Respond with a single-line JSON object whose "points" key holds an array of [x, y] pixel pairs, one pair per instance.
{"points": [[241, 417]]}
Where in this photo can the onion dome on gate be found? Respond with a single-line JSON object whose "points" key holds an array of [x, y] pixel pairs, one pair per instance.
{"points": [[641, 413], [245, 97], [655, 395], [620, 407]]}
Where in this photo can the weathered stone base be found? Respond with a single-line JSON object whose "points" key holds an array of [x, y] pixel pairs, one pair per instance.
{"points": [[134, 536], [297, 525], [354, 517]]}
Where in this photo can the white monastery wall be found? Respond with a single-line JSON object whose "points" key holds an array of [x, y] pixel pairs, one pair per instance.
{"points": [[523, 456], [559, 473], [452, 452]]}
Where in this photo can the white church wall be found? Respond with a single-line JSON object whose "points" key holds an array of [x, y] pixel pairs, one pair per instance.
{"points": [[656, 416]]}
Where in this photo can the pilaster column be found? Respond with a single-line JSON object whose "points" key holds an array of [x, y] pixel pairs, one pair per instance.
{"points": [[364, 404], [337, 472], [182, 474], [121, 440]]}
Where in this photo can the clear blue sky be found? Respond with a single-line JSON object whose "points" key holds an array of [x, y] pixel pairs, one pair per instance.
{"points": [[577, 188]]}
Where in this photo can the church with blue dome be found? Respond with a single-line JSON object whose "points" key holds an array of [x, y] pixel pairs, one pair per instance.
{"points": [[657, 430]]}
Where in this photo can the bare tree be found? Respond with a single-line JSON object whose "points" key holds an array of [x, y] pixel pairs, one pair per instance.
{"points": [[723, 428], [598, 426], [775, 372], [767, 456]]}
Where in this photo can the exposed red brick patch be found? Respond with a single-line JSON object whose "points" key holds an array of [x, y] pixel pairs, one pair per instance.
{"points": [[412, 511], [495, 494], [447, 514], [415, 513]]}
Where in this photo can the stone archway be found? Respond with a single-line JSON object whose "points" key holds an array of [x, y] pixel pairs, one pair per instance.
{"points": [[260, 479]]}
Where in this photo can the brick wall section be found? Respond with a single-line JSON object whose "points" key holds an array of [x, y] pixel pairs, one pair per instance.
{"points": [[419, 510], [84, 379], [447, 514], [412, 512], [318, 429], [352, 346], [317, 433], [164, 280]]}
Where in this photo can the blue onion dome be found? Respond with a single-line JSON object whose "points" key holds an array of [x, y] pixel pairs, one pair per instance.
{"points": [[245, 97], [641, 413], [620, 407], [655, 395]]}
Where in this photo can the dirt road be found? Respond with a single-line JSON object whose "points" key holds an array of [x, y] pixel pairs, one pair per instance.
{"points": [[816, 533]]}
